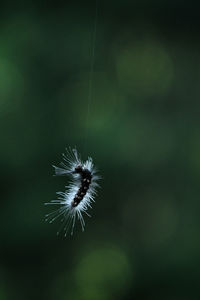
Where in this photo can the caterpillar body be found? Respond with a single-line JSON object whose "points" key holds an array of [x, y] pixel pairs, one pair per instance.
{"points": [[79, 194]]}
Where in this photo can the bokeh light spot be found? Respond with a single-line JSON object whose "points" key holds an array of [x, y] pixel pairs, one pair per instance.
{"points": [[12, 86], [106, 270], [144, 68]]}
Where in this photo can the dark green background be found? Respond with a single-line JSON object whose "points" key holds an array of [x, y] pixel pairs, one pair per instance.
{"points": [[143, 240]]}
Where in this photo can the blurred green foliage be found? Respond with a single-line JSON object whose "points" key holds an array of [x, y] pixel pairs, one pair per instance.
{"points": [[142, 131]]}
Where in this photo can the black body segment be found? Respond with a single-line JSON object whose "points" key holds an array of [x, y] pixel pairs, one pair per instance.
{"points": [[86, 178]]}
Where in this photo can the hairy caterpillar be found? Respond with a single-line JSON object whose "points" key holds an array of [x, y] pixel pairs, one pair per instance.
{"points": [[79, 193]]}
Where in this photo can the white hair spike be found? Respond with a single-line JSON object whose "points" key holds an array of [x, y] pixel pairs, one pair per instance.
{"points": [[79, 193]]}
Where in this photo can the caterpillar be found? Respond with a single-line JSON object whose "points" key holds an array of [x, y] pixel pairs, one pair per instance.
{"points": [[79, 194]]}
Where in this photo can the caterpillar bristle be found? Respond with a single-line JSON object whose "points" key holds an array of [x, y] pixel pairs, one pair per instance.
{"points": [[79, 194]]}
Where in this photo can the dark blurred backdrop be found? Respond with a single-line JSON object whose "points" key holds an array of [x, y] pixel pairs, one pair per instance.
{"points": [[142, 130]]}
